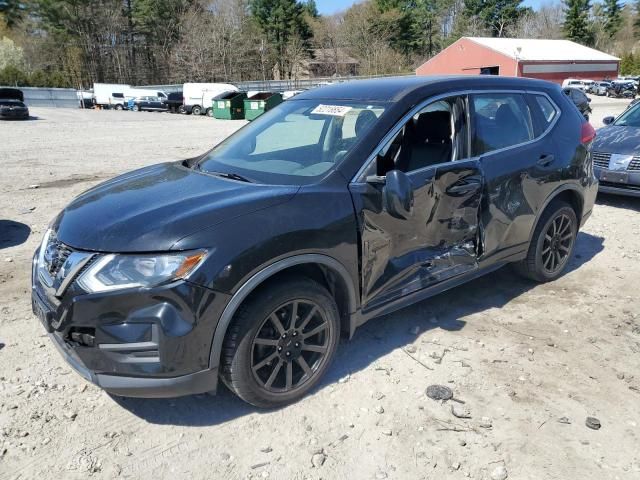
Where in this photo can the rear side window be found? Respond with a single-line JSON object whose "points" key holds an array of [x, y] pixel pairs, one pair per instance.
{"points": [[547, 112], [500, 120]]}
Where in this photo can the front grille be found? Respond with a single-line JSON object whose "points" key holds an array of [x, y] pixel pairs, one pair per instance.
{"points": [[601, 159]]}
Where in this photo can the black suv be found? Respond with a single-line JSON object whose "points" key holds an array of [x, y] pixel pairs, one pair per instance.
{"points": [[341, 204], [580, 100]]}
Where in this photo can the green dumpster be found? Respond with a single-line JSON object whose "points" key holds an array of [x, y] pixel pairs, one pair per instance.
{"points": [[229, 106], [259, 103]]}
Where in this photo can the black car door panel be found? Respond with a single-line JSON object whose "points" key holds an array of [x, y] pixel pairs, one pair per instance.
{"points": [[438, 240]]}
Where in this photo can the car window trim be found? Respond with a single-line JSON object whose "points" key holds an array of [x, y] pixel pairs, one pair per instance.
{"points": [[360, 178]]}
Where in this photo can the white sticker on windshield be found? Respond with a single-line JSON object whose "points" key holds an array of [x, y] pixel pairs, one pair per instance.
{"points": [[335, 110]]}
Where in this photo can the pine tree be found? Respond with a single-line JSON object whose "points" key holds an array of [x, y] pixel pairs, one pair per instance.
{"points": [[576, 23], [284, 25], [613, 17]]}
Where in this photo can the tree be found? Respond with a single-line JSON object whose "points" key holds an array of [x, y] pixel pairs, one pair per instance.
{"points": [[12, 12], [576, 25], [284, 25], [311, 8], [498, 17], [636, 23], [613, 17], [10, 54]]}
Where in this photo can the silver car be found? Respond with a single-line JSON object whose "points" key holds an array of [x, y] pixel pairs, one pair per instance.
{"points": [[616, 153]]}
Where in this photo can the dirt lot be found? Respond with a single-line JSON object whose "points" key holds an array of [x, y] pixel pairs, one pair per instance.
{"points": [[531, 362]]}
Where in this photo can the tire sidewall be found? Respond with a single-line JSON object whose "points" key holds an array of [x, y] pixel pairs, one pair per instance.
{"points": [[567, 210], [241, 364]]}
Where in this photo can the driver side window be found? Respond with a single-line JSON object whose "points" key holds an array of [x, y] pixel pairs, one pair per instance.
{"points": [[436, 134]]}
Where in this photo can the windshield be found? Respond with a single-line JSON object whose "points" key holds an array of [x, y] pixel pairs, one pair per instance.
{"points": [[630, 118], [294, 143]]}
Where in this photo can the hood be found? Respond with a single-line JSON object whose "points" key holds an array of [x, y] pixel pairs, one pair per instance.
{"points": [[151, 209], [617, 139]]}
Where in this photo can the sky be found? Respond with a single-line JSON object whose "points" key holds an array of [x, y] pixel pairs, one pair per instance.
{"points": [[327, 7]]}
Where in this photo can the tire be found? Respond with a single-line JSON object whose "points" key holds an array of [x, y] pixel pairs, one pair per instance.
{"points": [[196, 110], [209, 112], [136, 108], [118, 107], [254, 340], [182, 110], [538, 265]]}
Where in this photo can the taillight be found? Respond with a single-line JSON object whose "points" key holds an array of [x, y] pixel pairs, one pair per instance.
{"points": [[587, 133]]}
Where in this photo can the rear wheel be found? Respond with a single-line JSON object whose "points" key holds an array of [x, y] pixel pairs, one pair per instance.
{"points": [[552, 244], [118, 107], [196, 110], [135, 108], [281, 342], [209, 112]]}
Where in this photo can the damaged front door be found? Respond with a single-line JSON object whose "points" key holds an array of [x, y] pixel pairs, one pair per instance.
{"points": [[436, 237]]}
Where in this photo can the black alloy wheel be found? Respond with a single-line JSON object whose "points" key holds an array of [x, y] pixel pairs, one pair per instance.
{"points": [[557, 244], [281, 341], [290, 346], [552, 243]]}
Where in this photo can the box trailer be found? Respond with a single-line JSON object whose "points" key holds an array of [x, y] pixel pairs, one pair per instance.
{"points": [[110, 95], [198, 97]]}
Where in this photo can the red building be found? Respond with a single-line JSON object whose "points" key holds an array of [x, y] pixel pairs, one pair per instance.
{"points": [[552, 60]]}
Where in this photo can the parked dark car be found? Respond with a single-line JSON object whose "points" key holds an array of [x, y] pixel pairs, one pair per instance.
{"points": [[616, 153], [12, 105], [13, 110], [341, 204], [149, 104], [174, 102], [580, 100], [621, 90]]}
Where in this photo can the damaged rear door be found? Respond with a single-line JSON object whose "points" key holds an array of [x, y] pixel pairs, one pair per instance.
{"points": [[437, 238]]}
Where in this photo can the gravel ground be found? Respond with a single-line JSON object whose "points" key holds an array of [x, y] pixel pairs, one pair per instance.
{"points": [[530, 362]]}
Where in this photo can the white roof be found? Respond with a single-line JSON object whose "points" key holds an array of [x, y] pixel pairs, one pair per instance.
{"points": [[541, 50]]}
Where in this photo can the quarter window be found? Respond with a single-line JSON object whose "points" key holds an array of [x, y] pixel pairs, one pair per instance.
{"points": [[501, 120], [547, 110]]}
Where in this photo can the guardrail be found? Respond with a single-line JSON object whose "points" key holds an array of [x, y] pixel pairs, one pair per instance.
{"points": [[50, 97]]}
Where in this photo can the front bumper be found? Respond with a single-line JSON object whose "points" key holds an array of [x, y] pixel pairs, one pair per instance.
{"points": [[630, 188], [137, 342]]}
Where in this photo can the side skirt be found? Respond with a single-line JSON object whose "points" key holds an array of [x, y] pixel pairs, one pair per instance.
{"points": [[360, 317]]}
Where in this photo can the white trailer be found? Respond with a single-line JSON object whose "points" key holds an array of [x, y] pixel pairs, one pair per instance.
{"points": [[198, 97], [110, 95]]}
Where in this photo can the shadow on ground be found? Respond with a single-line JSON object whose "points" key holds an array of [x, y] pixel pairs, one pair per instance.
{"points": [[372, 341], [618, 201], [13, 233]]}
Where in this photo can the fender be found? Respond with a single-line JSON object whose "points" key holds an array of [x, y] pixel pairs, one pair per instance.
{"points": [[257, 279], [553, 196]]}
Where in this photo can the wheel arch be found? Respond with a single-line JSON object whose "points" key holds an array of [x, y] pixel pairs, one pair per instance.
{"points": [[568, 193], [322, 268]]}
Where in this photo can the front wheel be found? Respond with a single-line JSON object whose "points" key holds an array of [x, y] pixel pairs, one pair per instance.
{"points": [[552, 244], [281, 342], [135, 108]]}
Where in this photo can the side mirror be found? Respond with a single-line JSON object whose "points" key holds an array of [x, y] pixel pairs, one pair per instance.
{"points": [[397, 195], [608, 120]]}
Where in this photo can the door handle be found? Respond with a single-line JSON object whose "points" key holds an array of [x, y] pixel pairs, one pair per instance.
{"points": [[546, 160], [468, 185]]}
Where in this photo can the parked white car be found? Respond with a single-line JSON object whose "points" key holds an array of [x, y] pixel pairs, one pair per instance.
{"points": [[576, 83]]}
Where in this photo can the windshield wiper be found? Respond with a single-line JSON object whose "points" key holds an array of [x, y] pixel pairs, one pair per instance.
{"points": [[230, 176]]}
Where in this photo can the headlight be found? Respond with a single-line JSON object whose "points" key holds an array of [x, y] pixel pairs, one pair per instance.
{"points": [[113, 272]]}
